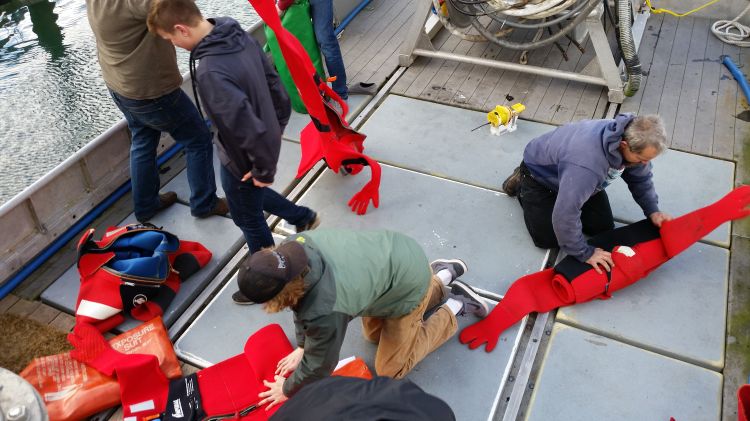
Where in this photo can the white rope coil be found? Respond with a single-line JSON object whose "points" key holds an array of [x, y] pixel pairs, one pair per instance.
{"points": [[731, 31]]}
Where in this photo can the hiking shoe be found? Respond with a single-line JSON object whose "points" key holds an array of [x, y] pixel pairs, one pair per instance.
{"points": [[221, 208], [239, 298], [512, 183], [473, 303], [456, 267], [310, 225], [165, 200]]}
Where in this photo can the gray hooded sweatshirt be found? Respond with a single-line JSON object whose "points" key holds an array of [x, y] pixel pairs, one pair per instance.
{"points": [[578, 160], [244, 97]]}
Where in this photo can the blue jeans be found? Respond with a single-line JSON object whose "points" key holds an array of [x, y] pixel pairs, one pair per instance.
{"points": [[322, 18], [175, 114], [247, 203]]}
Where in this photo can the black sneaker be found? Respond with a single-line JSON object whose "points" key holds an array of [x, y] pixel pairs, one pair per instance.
{"points": [[512, 183], [310, 225], [456, 267], [166, 200], [239, 298], [473, 303]]}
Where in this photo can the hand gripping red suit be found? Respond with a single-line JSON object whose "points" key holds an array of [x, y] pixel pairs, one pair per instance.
{"points": [[328, 136], [226, 390], [637, 249]]}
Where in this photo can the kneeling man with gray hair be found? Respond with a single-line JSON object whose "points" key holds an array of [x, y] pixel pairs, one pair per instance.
{"points": [[561, 180], [330, 276]]}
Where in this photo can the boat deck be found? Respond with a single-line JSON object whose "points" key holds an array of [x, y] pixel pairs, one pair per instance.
{"points": [[659, 346]]}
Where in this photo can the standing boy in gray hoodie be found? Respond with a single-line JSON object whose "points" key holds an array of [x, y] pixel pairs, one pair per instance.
{"points": [[244, 97]]}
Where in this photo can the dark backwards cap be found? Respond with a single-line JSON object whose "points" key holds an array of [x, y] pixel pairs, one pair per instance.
{"points": [[264, 274]]}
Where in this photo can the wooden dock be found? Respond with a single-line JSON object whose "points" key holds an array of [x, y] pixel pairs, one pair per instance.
{"points": [[683, 81]]}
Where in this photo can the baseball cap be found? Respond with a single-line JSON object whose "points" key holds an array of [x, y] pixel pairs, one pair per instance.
{"points": [[266, 272]]}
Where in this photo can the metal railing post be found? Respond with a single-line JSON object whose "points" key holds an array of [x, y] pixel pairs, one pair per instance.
{"points": [[606, 61], [416, 37]]}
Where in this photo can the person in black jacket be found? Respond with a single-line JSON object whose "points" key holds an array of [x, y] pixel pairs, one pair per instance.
{"points": [[351, 398], [244, 97]]}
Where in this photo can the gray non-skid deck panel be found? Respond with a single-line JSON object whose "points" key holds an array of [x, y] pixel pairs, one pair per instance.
{"points": [[467, 380], [298, 121], [449, 219], [222, 321], [678, 310], [585, 376], [684, 182], [286, 169], [396, 133], [217, 234]]}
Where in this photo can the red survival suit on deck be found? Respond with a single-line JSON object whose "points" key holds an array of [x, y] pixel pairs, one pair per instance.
{"points": [[328, 136], [637, 249], [136, 269], [228, 389]]}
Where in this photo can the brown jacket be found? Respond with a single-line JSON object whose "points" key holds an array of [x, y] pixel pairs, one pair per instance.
{"points": [[135, 63]]}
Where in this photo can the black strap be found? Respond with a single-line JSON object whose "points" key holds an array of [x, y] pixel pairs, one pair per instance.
{"points": [[361, 161], [629, 236], [184, 400]]}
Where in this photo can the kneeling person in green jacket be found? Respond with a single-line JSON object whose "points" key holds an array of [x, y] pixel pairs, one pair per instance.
{"points": [[330, 276]]}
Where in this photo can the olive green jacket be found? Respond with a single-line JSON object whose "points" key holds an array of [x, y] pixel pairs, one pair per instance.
{"points": [[352, 273], [135, 63]]}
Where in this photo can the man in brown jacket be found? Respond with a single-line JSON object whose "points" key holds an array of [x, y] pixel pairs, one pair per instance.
{"points": [[140, 70]]}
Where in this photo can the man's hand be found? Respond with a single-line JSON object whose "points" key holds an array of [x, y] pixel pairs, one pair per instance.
{"points": [[260, 183], [257, 183], [274, 395], [658, 217], [603, 258], [290, 362]]}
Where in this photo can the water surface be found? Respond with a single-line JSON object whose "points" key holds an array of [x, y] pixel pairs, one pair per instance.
{"points": [[52, 98]]}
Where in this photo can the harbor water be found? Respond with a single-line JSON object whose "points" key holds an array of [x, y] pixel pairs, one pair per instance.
{"points": [[52, 97]]}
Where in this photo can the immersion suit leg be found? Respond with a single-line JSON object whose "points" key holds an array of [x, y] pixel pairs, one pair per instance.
{"points": [[534, 292]]}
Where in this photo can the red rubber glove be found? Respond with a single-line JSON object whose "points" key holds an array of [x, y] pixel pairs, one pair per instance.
{"points": [[92, 349], [488, 330], [534, 292], [680, 233]]}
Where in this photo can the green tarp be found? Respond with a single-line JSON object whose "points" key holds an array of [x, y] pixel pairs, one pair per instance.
{"points": [[296, 20]]}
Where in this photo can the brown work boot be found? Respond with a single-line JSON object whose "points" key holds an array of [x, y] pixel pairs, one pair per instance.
{"points": [[166, 200], [512, 183], [221, 208]]}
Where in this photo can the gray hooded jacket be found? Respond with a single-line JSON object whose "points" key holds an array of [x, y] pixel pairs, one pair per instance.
{"points": [[575, 161], [244, 97]]}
